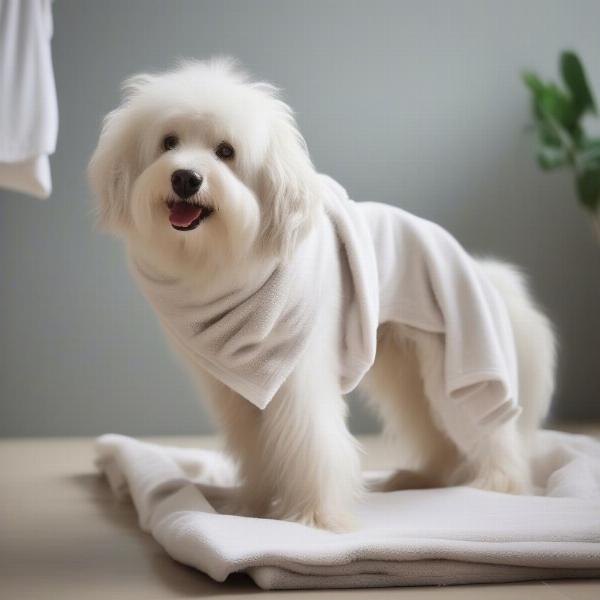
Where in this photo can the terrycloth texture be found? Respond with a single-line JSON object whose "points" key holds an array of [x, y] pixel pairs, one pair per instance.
{"points": [[28, 105], [249, 338], [418, 537], [395, 267]]}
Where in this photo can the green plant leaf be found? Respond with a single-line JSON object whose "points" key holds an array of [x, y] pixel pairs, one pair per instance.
{"points": [[573, 75], [590, 149], [556, 105], [537, 91], [561, 139], [551, 157], [547, 134], [588, 188], [533, 82]]}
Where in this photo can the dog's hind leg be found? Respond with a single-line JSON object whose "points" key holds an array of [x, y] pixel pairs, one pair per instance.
{"points": [[395, 387]]}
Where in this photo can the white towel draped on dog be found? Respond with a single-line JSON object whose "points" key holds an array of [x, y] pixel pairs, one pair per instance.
{"points": [[416, 537], [395, 267]]}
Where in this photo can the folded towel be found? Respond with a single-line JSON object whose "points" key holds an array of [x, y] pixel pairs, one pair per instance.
{"points": [[418, 537], [395, 267]]}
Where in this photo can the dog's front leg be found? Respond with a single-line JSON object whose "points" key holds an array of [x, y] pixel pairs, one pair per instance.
{"points": [[309, 457], [241, 425], [296, 458]]}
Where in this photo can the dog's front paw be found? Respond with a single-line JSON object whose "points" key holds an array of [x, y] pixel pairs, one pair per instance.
{"points": [[500, 480], [336, 522], [244, 504], [404, 479]]}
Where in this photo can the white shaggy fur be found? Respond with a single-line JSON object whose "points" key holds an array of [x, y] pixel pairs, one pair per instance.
{"points": [[297, 459]]}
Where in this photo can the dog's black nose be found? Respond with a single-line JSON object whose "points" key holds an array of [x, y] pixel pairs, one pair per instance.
{"points": [[185, 182]]}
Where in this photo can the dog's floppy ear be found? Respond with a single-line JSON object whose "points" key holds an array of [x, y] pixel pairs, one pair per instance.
{"points": [[110, 168], [289, 184]]}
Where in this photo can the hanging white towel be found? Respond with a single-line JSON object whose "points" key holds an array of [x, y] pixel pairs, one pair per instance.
{"points": [[417, 537], [28, 105], [395, 267]]}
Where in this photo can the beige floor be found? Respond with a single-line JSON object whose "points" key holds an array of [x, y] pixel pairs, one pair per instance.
{"points": [[63, 537]]}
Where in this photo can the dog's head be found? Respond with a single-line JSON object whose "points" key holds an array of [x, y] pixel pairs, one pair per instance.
{"points": [[203, 164]]}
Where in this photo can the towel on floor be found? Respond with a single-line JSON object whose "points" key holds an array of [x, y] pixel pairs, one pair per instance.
{"points": [[395, 267], [417, 537]]}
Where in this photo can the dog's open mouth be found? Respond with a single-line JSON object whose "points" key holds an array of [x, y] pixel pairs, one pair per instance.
{"points": [[185, 216]]}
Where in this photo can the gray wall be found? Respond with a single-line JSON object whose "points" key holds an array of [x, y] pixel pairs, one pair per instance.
{"points": [[414, 103]]}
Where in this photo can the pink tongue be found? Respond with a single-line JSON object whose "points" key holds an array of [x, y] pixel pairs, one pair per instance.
{"points": [[183, 213]]}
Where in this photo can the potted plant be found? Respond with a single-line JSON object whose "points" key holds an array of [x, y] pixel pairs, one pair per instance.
{"points": [[561, 137]]}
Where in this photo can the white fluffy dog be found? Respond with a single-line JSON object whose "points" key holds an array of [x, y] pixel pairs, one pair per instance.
{"points": [[206, 177]]}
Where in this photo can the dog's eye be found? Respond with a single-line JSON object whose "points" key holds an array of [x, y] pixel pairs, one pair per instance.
{"points": [[224, 151], [169, 142]]}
